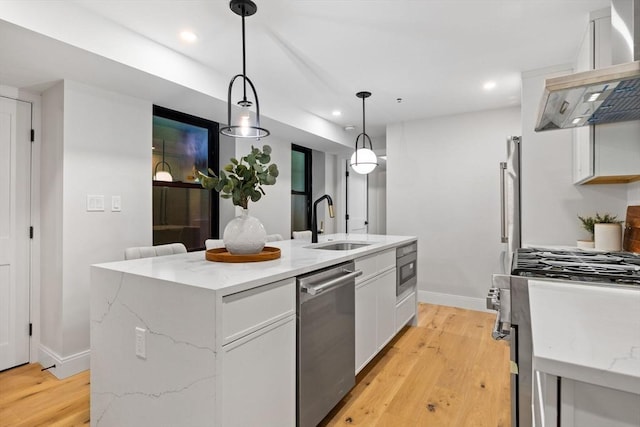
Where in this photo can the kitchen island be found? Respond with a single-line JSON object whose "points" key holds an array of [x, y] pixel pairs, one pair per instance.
{"points": [[178, 340]]}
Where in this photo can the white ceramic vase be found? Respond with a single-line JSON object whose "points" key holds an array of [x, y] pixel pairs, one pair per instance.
{"points": [[244, 234], [608, 236]]}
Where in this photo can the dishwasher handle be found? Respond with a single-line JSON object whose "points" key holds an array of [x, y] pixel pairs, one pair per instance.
{"points": [[330, 284]]}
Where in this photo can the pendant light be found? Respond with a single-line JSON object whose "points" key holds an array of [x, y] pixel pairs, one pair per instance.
{"points": [[363, 160], [246, 125], [162, 175]]}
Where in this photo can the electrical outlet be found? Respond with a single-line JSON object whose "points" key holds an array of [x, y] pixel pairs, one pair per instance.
{"points": [[141, 343]]}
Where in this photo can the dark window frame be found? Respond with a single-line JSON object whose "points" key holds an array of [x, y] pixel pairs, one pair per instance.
{"points": [[213, 160], [308, 188]]}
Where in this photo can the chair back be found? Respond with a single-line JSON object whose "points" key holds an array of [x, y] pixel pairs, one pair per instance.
{"points": [[153, 251], [213, 243], [302, 235], [274, 237]]}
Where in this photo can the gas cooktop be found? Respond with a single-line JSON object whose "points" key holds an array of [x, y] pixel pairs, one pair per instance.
{"points": [[576, 264]]}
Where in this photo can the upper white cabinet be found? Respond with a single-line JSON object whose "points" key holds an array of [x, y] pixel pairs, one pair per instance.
{"points": [[606, 153]]}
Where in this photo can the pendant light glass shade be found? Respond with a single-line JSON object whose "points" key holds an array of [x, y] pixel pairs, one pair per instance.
{"points": [[246, 124], [363, 160]]}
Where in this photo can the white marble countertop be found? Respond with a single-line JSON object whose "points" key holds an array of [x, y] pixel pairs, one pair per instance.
{"points": [[296, 258], [587, 333]]}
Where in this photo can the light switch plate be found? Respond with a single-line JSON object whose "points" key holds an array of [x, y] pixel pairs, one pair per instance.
{"points": [[116, 203], [95, 203]]}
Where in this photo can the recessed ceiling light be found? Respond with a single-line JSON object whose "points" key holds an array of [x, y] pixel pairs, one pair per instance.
{"points": [[336, 112], [188, 36], [349, 128], [489, 85]]}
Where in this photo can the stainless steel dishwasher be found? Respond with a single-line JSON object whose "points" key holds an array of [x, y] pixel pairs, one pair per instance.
{"points": [[326, 340]]}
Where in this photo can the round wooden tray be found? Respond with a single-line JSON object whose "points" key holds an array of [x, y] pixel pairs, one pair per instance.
{"points": [[222, 255]]}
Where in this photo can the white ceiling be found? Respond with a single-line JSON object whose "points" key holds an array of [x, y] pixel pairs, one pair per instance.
{"points": [[316, 54]]}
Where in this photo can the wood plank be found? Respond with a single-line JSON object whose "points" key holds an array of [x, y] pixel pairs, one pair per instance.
{"points": [[447, 371], [631, 241], [31, 397]]}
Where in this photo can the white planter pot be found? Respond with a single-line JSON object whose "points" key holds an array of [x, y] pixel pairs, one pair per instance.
{"points": [[585, 244], [608, 237], [244, 234]]}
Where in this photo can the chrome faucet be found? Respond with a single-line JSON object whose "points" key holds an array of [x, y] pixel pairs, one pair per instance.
{"points": [[314, 220]]}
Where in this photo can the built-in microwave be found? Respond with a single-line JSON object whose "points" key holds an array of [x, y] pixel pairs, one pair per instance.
{"points": [[406, 267]]}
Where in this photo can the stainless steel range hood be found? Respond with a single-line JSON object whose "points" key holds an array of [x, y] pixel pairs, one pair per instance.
{"points": [[606, 95]]}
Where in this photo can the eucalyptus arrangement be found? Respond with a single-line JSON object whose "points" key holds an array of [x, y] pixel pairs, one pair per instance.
{"points": [[242, 180], [589, 222]]}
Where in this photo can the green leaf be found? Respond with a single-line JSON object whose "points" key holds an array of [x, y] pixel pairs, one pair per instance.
{"points": [[229, 167], [266, 149], [234, 160], [273, 170], [264, 159], [255, 196]]}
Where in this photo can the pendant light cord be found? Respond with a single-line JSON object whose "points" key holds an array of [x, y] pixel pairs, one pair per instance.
{"points": [[364, 131], [244, 60]]}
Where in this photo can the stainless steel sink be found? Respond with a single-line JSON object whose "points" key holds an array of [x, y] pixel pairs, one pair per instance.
{"points": [[339, 246]]}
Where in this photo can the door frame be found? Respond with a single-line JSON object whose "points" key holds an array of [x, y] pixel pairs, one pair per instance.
{"points": [[34, 252]]}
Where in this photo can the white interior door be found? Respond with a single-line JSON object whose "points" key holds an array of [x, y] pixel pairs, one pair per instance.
{"points": [[15, 174], [357, 190]]}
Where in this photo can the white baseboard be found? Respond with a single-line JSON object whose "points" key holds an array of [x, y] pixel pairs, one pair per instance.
{"points": [[64, 366], [470, 303]]}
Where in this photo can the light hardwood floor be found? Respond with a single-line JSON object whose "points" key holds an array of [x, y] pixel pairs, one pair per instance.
{"points": [[446, 372]]}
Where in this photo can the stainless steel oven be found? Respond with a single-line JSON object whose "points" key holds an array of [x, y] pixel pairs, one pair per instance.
{"points": [[509, 296], [406, 267]]}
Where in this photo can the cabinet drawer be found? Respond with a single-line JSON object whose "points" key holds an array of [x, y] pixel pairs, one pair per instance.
{"points": [[368, 267], [248, 311], [375, 264], [405, 310], [386, 260]]}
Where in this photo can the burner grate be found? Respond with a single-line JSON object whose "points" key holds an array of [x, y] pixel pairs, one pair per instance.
{"points": [[613, 267]]}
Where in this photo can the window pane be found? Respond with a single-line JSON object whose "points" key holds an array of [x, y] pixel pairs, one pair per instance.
{"points": [[183, 145], [298, 171], [299, 213], [181, 215]]}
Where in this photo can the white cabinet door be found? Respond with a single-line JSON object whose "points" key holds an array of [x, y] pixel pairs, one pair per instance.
{"points": [[589, 405], [386, 306], [606, 153], [259, 378], [366, 345], [375, 316]]}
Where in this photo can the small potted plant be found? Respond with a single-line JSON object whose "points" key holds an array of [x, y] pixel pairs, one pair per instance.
{"points": [[242, 181], [605, 230]]}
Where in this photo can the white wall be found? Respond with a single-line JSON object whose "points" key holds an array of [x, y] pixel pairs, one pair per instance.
{"points": [[95, 143], [51, 169], [443, 187], [550, 201], [377, 200], [331, 187], [633, 194], [273, 209]]}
